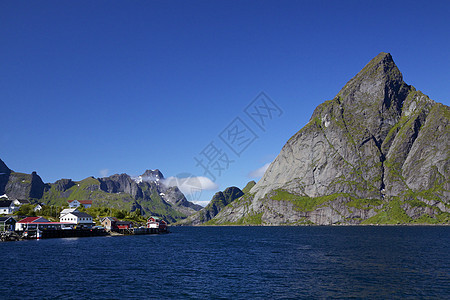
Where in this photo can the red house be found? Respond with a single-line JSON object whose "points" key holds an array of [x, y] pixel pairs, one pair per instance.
{"points": [[124, 224], [77, 203], [155, 222]]}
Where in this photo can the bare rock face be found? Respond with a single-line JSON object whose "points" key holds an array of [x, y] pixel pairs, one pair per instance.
{"points": [[24, 186], [121, 183], [63, 185], [150, 188], [20, 185], [174, 196], [372, 154], [4, 176]]}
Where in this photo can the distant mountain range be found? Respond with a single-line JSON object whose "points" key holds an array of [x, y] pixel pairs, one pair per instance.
{"points": [[145, 192], [378, 153]]}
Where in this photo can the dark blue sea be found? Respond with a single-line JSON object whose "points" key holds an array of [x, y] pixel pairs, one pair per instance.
{"points": [[234, 263]]}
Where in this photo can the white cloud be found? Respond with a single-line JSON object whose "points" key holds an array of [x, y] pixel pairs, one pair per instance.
{"points": [[191, 185], [259, 172], [141, 178], [202, 203], [104, 172]]}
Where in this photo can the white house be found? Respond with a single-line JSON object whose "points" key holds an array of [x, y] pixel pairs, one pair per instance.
{"points": [[19, 202], [7, 207], [37, 207], [77, 203], [80, 218], [34, 223], [30, 222]]}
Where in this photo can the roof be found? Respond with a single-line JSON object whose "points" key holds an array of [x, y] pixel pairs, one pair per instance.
{"points": [[81, 214], [156, 218], [5, 203], [123, 223], [67, 211], [112, 219], [81, 201], [22, 201], [4, 219], [34, 220], [54, 223]]}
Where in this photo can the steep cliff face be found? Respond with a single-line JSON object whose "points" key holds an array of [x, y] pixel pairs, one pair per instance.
{"points": [[20, 185], [174, 196], [4, 176], [24, 186], [63, 185], [120, 183], [376, 153]]}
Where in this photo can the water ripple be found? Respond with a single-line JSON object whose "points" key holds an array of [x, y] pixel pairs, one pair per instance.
{"points": [[234, 263]]}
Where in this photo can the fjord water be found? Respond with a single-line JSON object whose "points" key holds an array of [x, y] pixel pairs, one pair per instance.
{"points": [[234, 263]]}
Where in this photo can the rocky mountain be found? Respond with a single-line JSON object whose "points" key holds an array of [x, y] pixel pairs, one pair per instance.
{"points": [[145, 192], [4, 176], [19, 185], [217, 203], [24, 186], [376, 153]]}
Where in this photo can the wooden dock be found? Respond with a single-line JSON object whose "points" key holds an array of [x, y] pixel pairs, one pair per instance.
{"points": [[61, 233], [140, 231]]}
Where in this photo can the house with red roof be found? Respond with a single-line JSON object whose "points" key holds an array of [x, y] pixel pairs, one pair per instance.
{"points": [[30, 222], [33, 227], [157, 223], [124, 224]]}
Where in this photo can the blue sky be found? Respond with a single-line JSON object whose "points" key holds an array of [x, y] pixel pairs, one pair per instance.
{"points": [[94, 88]]}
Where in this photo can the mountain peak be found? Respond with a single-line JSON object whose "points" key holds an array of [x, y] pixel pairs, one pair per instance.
{"points": [[3, 168], [383, 56], [380, 78], [383, 59], [384, 64], [156, 174]]}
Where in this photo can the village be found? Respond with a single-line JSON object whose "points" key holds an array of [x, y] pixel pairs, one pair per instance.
{"points": [[73, 222]]}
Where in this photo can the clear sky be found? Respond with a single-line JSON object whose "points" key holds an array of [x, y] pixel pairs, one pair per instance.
{"points": [[94, 88]]}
